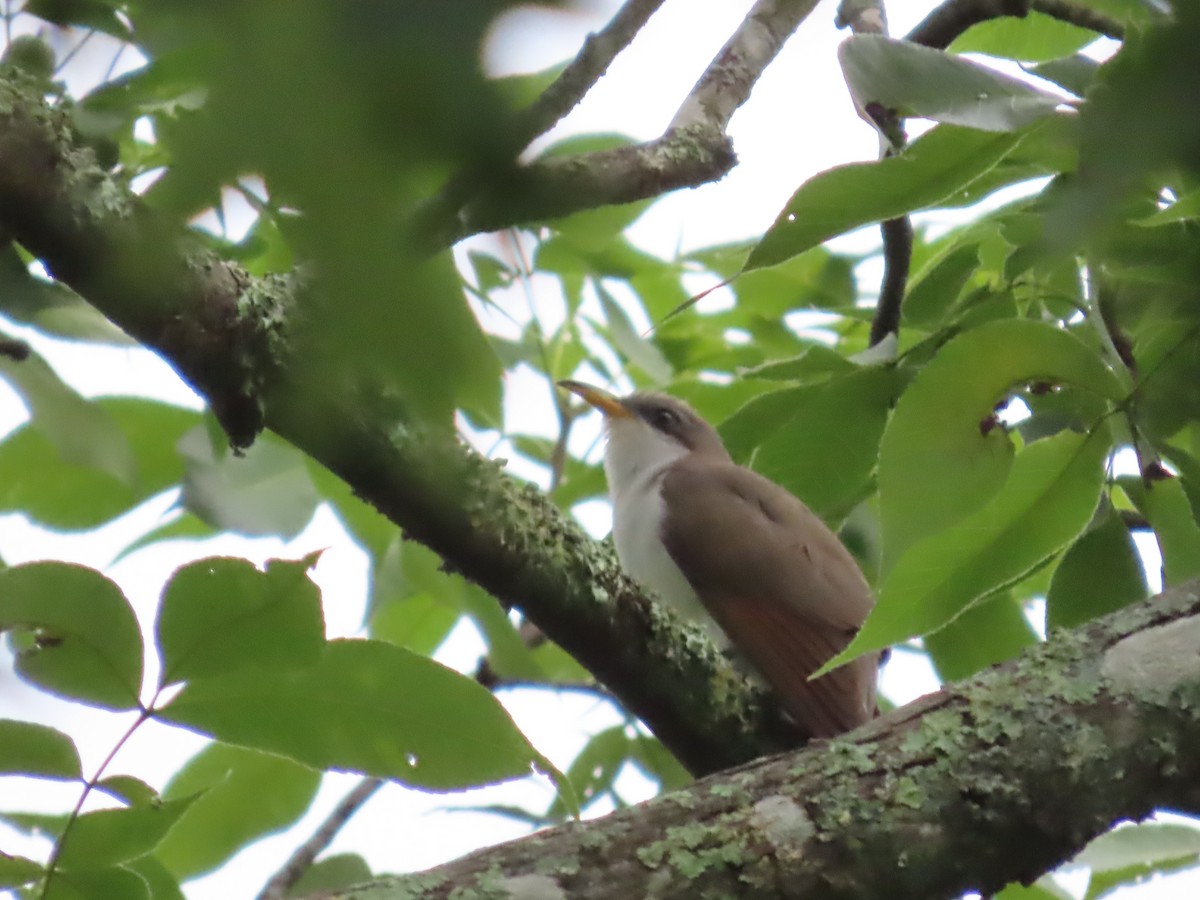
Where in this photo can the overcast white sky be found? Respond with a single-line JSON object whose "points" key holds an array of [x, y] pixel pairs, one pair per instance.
{"points": [[799, 121]]}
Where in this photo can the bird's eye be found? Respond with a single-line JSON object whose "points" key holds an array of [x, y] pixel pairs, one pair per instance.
{"points": [[664, 417]]}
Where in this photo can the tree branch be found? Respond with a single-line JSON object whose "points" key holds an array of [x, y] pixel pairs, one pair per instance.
{"points": [[952, 18], [869, 17], [986, 782], [572, 84], [693, 150], [897, 256], [14, 348], [729, 78], [939, 29], [234, 339], [300, 860], [1083, 16]]}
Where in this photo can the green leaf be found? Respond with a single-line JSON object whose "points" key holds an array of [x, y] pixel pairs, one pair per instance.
{"points": [[636, 349], [96, 14], [1148, 842], [267, 491], [1032, 38], [592, 773], [1131, 855], [936, 288], [224, 616], [129, 790], [657, 763], [991, 631], [451, 365], [78, 638], [816, 279], [35, 824], [17, 870], [1165, 504], [914, 80], [364, 522], [153, 430], [1184, 209], [825, 451], [938, 462], [82, 433], [179, 526], [35, 479], [422, 572], [817, 363], [1048, 499], [97, 884], [50, 306], [330, 875], [37, 751], [241, 795], [365, 707], [163, 885], [419, 623], [1043, 889], [1073, 73], [1101, 572], [107, 837], [932, 169]]}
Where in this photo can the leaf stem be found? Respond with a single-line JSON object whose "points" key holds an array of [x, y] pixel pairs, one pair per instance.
{"points": [[88, 786]]}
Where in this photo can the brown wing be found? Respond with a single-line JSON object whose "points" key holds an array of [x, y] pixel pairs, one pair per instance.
{"points": [[780, 584]]}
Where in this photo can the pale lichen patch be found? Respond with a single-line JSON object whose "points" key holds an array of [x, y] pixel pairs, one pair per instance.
{"points": [[1157, 660], [533, 887], [782, 821]]}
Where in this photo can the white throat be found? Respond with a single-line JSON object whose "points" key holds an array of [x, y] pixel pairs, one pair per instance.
{"points": [[635, 462]]}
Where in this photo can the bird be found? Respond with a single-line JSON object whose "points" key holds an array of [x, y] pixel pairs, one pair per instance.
{"points": [[729, 548]]}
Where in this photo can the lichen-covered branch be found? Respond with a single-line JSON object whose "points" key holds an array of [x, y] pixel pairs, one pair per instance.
{"points": [[729, 78], [990, 781], [684, 157], [233, 338]]}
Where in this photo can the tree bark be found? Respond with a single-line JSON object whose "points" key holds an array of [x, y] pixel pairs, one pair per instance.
{"points": [[236, 340], [983, 783], [989, 781]]}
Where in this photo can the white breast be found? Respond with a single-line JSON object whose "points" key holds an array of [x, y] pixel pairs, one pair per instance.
{"points": [[635, 463]]}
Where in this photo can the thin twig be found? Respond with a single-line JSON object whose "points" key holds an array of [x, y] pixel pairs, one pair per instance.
{"points": [[70, 54], [693, 150], [897, 256], [948, 21], [938, 30], [300, 861], [862, 16], [89, 785], [869, 17], [1083, 16], [573, 83], [585, 70], [14, 348]]}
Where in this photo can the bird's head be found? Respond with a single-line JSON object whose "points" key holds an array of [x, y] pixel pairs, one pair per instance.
{"points": [[647, 431]]}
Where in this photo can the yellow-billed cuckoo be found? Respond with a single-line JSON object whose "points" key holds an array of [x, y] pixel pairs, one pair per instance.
{"points": [[710, 535]]}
